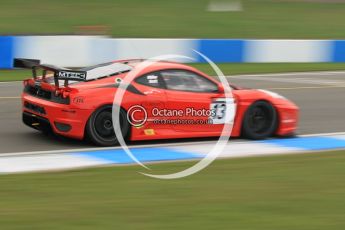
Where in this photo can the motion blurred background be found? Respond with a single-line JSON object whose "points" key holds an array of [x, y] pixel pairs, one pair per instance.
{"points": [[285, 192], [242, 23], [314, 19]]}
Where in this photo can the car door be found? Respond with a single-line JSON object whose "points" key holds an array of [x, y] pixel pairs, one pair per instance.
{"points": [[152, 87], [203, 104]]}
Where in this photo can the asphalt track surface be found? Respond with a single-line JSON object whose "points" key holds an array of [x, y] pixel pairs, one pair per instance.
{"points": [[320, 96]]}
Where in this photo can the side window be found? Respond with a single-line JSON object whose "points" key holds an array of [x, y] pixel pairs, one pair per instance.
{"points": [[187, 81], [151, 79]]}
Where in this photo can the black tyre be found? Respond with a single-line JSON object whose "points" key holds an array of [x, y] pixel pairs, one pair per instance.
{"points": [[260, 121], [100, 130]]}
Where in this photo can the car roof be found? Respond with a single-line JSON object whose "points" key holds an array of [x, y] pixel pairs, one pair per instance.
{"points": [[146, 66]]}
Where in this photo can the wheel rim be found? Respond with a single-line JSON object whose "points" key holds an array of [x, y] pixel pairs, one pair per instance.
{"points": [[104, 125], [260, 119]]}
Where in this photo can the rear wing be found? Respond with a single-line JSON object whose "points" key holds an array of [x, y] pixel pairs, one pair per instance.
{"points": [[59, 72]]}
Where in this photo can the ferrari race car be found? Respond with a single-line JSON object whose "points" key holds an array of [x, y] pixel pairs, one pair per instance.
{"points": [[164, 100]]}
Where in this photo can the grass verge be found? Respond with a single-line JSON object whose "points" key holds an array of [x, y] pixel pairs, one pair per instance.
{"points": [[187, 19], [279, 192]]}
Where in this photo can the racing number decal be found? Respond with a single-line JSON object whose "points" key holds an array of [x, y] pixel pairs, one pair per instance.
{"points": [[220, 108]]}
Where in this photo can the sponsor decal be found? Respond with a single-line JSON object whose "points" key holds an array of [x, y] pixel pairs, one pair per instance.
{"points": [[149, 132], [152, 79], [71, 75], [78, 100], [68, 111]]}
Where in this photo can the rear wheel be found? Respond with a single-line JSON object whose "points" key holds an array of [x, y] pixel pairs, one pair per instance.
{"points": [[260, 121], [100, 129]]}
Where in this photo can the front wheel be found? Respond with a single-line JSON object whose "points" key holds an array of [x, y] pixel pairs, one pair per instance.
{"points": [[100, 129], [260, 121]]}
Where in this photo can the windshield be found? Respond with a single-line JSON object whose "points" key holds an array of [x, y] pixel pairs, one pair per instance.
{"points": [[105, 70]]}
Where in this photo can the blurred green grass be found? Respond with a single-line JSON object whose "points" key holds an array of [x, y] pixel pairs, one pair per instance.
{"points": [[178, 18], [278, 192], [227, 69], [187, 18]]}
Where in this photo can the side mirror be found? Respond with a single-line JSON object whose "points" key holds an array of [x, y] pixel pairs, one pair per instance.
{"points": [[221, 88]]}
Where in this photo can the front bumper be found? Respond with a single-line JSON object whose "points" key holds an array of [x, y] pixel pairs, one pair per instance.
{"points": [[62, 119], [288, 117]]}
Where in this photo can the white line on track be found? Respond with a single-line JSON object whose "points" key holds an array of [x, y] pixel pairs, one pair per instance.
{"points": [[309, 81], [305, 87], [294, 73], [9, 82], [107, 148], [9, 98], [144, 146]]}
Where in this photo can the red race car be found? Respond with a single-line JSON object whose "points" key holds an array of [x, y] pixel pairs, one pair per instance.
{"points": [[164, 100]]}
